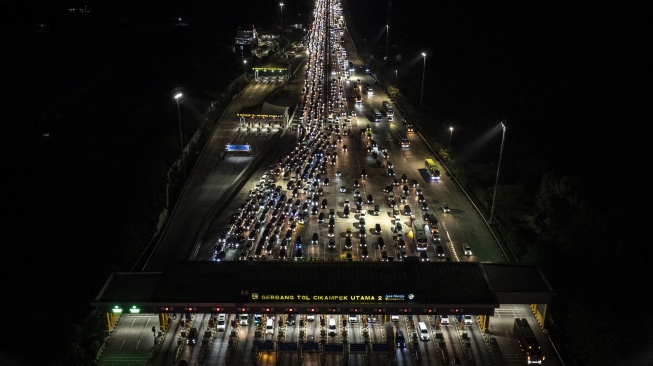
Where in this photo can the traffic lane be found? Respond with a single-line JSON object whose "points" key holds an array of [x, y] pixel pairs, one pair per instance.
{"points": [[132, 340]]}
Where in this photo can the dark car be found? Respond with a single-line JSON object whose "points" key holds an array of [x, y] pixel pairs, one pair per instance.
{"points": [[290, 319], [380, 244], [407, 210]]}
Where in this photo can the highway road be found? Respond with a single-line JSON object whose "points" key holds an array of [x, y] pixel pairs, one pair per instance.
{"points": [[207, 208]]}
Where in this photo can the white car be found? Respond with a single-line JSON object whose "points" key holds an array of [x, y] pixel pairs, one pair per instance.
{"points": [[222, 323], [394, 318], [466, 249], [244, 319], [468, 319], [343, 189], [444, 319], [310, 317]]}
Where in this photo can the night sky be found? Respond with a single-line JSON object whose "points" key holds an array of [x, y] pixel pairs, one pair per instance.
{"points": [[569, 79]]}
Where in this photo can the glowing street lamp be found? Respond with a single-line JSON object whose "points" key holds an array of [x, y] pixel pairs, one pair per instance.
{"points": [[181, 140], [281, 5], [451, 134], [496, 183], [421, 97]]}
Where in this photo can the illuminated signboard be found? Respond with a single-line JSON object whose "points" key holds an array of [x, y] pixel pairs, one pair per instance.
{"points": [[318, 298], [238, 147]]}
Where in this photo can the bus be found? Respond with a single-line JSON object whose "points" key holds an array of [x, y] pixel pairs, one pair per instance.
{"points": [[368, 88], [419, 235], [432, 169], [357, 96], [387, 109], [403, 139], [376, 115], [527, 341]]}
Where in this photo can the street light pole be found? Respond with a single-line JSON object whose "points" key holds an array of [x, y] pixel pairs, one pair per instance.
{"points": [[421, 97], [496, 183], [181, 140], [387, 35], [450, 134], [281, 5], [396, 77]]}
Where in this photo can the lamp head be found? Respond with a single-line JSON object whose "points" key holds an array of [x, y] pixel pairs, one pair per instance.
{"points": [[178, 95]]}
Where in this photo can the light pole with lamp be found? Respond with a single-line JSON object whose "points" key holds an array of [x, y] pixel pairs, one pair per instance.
{"points": [[450, 134], [181, 140], [281, 5], [396, 77], [387, 35], [421, 97], [496, 183]]}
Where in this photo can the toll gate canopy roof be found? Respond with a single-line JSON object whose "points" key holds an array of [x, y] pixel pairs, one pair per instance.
{"points": [[327, 286]]}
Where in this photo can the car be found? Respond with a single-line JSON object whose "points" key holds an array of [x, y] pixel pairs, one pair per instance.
{"points": [[414, 183], [361, 232], [348, 245], [345, 212], [394, 318], [222, 323], [344, 147], [445, 208], [257, 319], [391, 172], [357, 193], [363, 173], [327, 181], [338, 173], [299, 253], [444, 319], [331, 232], [468, 319], [420, 198], [423, 257], [343, 189], [314, 210], [290, 319], [324, 204], [364, 253], [439, 251], [380, 244], [404, 178], [320, 217], [356, 183], [192, 336], [315, 238], [370, 199], [377, 228], [387, 188], [353, 318], [466, 249], [405, 190], [425, 206], [348, 257], [310, 317], [407, 210], [384, 256]]}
